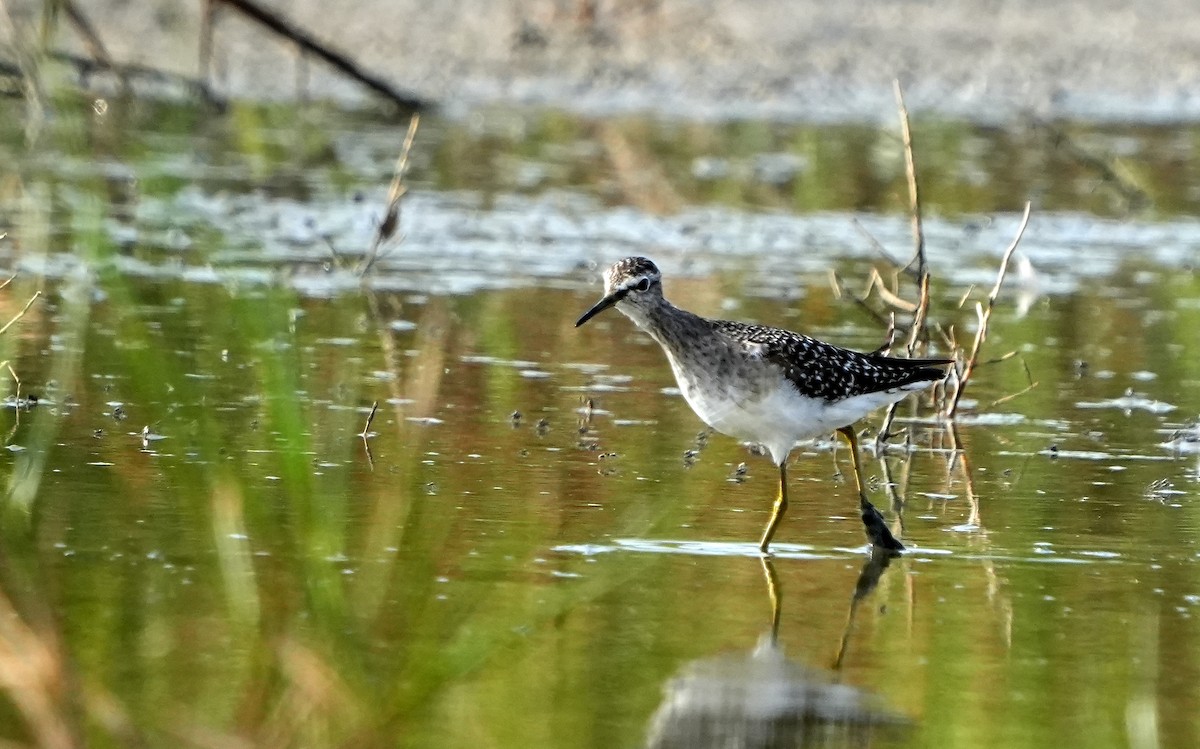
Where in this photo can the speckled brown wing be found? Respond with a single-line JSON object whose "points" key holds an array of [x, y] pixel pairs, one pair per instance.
{"points": [[833, 373]]}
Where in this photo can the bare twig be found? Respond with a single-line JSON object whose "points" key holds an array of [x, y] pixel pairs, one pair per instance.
{"points": [[985, 314], [878, 247], [918, 324], [917, 332], [889, 339], [21, 314], [5, 364], [888, 296], [834, 284], [914, 333], [860, 301], [999, 359], [1028, 378]]}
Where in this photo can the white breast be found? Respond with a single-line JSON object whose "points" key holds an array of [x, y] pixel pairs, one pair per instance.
{"points": [[781, 417]]}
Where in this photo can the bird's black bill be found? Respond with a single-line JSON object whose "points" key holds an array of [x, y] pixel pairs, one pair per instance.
{"points": [[600, 306]]}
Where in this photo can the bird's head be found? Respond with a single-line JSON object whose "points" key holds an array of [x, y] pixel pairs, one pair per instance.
{"points": [[633, 285]]}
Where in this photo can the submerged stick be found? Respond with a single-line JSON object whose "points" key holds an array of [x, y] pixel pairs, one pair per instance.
{"points": [[366, 431]]}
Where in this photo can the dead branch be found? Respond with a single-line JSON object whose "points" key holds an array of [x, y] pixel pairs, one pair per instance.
{"points": [[283, 27], [985, 314], [1135, 197], [87, 32], [86, 67]]}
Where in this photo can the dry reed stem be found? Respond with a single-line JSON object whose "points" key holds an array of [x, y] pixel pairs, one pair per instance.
{"points": [[985, 314], [917, 330], [910, 168], [639, 173], [396, 191], [33, 676], [207, 21]]}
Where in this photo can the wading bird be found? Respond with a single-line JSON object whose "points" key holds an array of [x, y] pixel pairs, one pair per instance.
{"points": [[766, 385]]}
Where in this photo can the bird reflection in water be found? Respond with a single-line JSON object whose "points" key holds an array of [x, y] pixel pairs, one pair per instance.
{"points": [[762, 699]]}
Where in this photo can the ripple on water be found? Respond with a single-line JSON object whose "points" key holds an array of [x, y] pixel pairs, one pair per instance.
{"points": [[990, 419], [731, 549], [1129, 402]]}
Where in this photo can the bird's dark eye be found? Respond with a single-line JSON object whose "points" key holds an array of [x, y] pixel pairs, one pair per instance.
{"points": [[643, 285]]}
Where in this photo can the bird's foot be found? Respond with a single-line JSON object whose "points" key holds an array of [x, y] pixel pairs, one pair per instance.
{"points": [[876, 529]]}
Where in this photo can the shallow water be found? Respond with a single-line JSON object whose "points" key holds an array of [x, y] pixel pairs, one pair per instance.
{"points": [[198, 537]]}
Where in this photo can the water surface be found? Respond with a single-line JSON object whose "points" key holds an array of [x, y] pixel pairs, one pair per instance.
{"points": [[536, 545]]}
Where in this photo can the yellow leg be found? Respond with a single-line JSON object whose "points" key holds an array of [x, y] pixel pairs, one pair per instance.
{"points": [[776, 596], [852, 438], [781, 503], [877, 531]]}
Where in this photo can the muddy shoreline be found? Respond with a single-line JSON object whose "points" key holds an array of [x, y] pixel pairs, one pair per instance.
{"points": [[983, 60]]}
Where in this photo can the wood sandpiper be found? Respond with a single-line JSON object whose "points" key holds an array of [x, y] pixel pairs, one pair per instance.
{"points": [[767, 385]]}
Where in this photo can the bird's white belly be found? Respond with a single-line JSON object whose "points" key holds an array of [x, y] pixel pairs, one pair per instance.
{"points": [[781, 416]]}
